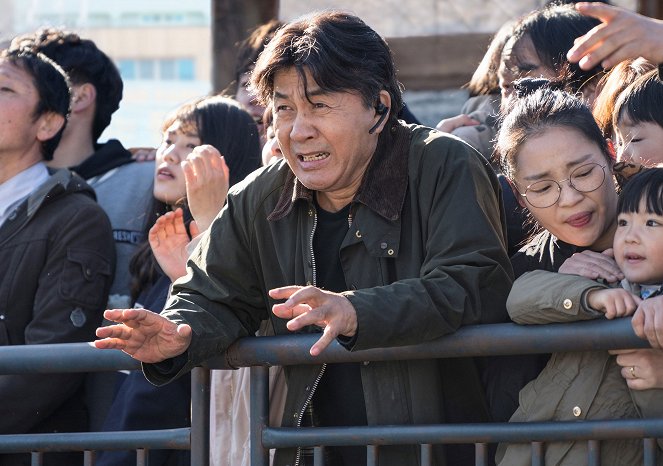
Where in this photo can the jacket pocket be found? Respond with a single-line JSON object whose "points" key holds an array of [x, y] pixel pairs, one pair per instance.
{"points": [[85, 278]]}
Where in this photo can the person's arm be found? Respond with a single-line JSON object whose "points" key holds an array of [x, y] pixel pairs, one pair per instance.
{"points": [[621, 35], [648, 321], [68, 304], [542, 297]]}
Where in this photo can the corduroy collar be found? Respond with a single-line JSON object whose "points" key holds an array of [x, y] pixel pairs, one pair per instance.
{"points": [[384, 184]]}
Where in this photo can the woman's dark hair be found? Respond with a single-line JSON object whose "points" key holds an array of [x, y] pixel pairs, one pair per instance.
{"points": [[553, 30], [339, 51], [220, 122], [536, 112], [53, 89], [485, 80], [641, 101], [646, 186]]}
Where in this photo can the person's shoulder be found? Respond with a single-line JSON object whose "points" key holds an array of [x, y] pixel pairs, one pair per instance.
{"points": [[263, 182]]}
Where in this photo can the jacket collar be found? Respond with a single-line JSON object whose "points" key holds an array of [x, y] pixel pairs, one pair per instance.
{"points": [[383, 187]]}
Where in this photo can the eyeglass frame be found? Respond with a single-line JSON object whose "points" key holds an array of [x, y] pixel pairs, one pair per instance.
{"points": [[559, 185]]}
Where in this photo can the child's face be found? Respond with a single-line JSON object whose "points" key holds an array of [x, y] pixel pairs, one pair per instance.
{"points": [[639, 142], [638, 246]]}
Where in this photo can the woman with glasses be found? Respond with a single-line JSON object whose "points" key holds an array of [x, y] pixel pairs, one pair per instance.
{"points": [[560, 168]]}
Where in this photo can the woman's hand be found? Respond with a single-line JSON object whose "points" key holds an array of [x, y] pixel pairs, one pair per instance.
{"points": [[642, 368], [448, 125], [593, 265], [169, 240], [207, 182]]}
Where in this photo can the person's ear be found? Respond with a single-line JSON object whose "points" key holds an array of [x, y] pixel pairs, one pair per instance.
{"points": [[519, 198], [382, 109], [83, 96], [49, 124]]}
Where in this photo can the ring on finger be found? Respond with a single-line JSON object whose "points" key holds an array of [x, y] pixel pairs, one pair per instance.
{"points": [[632, 372]]}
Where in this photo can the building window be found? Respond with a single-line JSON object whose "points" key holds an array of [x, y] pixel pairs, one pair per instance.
{"points": [[165, 69]]}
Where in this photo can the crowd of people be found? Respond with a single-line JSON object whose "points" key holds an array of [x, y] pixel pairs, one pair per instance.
{"points": [[308, 200]]}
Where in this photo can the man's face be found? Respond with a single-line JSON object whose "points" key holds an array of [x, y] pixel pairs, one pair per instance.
{"points": [[18, 101], [325, 140]]}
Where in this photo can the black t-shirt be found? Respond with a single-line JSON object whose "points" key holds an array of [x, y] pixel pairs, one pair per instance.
{"points": [[339, 398]]}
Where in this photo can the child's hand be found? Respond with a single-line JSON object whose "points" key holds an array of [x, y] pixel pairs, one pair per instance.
{"points": [[648, 321], [613, 302]]}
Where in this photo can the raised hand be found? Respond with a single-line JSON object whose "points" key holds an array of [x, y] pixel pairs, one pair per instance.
{"points": [[143, 335], [622, 35], [309, 305], [207, 182], [169, 242]]}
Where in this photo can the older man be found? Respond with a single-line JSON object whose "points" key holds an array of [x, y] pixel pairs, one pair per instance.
{"points": [[379, 233]]}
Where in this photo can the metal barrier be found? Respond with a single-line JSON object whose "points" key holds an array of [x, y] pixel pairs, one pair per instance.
{"points": [[483, 340]]}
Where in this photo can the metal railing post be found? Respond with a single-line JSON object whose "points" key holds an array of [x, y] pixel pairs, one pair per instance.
{"points": [[259, 414], [200, 416]]}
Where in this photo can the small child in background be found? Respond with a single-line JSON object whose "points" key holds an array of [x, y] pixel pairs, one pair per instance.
{"points": [[638, 121]]}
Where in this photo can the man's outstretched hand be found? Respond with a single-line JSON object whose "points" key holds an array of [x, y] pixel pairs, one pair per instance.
{"points": [[143, 335]]}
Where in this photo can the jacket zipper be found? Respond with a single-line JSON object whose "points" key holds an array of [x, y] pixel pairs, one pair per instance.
{"points": [[324, 366]]}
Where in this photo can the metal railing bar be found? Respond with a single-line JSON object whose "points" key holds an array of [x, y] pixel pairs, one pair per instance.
{"points": [[61, 358], [259, 387], [372, 453], [36, 458], [89, 457], [650, 447], [537, 454], [594, 453], [319, 456], [169, 439], [426, 454], [481, 454], [516, 432], [200, 416], [477, 340]]}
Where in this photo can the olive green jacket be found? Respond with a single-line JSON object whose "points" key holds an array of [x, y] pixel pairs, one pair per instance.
{"points": [[424, 254], [573, 386]]}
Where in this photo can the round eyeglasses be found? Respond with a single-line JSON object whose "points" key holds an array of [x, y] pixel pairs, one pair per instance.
{"points": [[585, 179]]}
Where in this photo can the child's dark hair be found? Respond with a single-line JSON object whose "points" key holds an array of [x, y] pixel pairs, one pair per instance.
{"points": [[641, 101], [646, 186]]}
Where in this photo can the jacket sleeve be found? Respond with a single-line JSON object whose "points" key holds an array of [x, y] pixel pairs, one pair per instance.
{"points": [[220, 297], [72, 290], [464, 275], [542, 297]]}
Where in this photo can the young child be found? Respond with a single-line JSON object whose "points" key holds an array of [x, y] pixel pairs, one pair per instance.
{"points": [[638, 121], [597, 388]]}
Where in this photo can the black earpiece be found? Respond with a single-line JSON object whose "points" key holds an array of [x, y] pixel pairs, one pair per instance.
{"points": [[382, 110]]}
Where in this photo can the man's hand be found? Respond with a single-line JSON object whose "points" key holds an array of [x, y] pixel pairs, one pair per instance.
{"points": [[642, 368], [593, 265], [613, 302], [648, 321], [207, 182], [312, 306], [143, 335], [622, 35], [169, 242]]}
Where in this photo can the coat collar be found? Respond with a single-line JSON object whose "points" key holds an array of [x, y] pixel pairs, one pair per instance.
{"points": [[383, 187]]}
